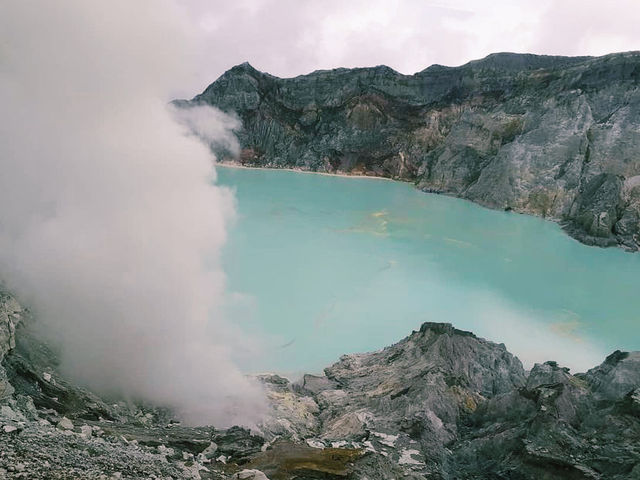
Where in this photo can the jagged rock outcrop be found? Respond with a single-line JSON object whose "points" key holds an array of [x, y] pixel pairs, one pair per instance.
{"points": [[551, 136], [410, 396], [440, 404], [443, 403], [556, 426], [10, 316]]}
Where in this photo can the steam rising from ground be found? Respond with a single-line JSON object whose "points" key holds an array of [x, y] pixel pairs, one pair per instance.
{"points": [[109, 226], [211, 126]]}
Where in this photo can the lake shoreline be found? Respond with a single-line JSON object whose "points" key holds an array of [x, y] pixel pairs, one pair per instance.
{"points": [[233, 164], [567, 227]]}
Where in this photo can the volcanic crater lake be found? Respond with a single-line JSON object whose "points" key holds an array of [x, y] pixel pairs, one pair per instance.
{"points": [[319, 266]]}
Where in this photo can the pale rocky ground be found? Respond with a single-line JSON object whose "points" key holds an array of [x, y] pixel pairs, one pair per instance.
{"points": [[557, 137], [440, 404]]}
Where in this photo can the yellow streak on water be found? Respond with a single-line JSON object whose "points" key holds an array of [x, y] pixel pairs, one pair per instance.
{"points": [[569, 328]]}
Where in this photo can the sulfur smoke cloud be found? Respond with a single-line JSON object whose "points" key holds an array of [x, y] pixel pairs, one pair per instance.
{"points": [[110, 227]]}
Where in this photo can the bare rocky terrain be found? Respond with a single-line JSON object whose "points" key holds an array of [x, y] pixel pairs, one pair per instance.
{"points": [[557, 137], [440, 404]]}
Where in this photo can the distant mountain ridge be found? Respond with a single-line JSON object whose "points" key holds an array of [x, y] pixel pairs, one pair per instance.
{"points": [[557, 137]]}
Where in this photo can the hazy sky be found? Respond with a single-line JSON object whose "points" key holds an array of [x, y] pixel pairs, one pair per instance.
{"points": [[293, 37]]}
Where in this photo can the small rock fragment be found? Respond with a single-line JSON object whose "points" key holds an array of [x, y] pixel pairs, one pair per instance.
{"points": [[65, 424], [210, 451], [250, 475]]}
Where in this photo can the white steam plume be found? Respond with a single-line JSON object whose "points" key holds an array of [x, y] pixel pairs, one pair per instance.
{"points": [[110, 228], [213, 127]]}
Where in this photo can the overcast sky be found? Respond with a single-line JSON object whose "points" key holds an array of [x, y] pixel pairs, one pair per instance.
{"points": [[293, 37]]}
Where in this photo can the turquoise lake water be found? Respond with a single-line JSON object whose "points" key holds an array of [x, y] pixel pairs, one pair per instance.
{"points": [[319, 266]]}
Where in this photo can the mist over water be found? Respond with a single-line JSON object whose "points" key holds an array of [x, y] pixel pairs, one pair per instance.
{"points": [[329, 265], [110, 227]]}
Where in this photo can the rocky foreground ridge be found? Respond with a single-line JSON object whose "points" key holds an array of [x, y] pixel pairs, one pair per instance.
{"points": [[557, 137], [440, 404]]}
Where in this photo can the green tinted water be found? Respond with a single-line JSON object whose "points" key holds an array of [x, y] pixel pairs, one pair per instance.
{"points": [[323, 265]]}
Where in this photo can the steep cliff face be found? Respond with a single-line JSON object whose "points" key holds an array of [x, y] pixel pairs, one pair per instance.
{"points": [[10, 315], [557, 137]]}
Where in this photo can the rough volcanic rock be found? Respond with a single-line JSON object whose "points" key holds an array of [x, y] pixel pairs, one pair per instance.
{"points": [[440, 404], [411, 395], [551, 136], [10, 315], [557, 426], [445, 404], [616, 377]]}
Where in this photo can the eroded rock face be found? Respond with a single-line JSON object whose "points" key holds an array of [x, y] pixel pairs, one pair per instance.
{"points": [[557, 426], [616, 376], [445, 404], [10, 316], [556, 137], [411, 395]]}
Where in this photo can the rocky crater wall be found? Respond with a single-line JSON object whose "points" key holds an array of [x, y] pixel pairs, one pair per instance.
{"points": [[557, 137], [440, 404]]}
